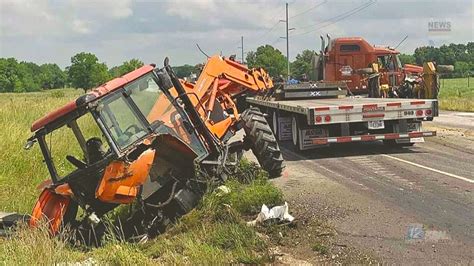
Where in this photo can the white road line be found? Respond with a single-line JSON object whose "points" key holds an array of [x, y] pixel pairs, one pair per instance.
{"points": [[431, 169]]}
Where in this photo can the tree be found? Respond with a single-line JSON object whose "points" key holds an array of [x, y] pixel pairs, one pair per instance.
{"points": [[10, 78], [115, 72], [185, 70], [85, 71], [52, 77], [125, 67], [129, 66], [302, 64], [29, 76], [462, 68], [269, 58], [407, 59]]}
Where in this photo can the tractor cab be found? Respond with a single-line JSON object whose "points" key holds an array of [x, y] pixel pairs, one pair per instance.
{"points": [[100, 148]]}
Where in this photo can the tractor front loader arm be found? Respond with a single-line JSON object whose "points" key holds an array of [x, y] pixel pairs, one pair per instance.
{"points": [[219, 68], [214, 94]]}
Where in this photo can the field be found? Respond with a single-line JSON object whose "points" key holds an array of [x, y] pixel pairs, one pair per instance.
{"points": [[213, 233], [455, 95]]}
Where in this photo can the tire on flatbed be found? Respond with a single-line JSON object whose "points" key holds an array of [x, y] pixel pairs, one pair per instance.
{"points": [[262, 142]]}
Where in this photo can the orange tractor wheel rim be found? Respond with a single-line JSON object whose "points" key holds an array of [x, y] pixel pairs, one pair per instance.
{"points": [[50, 208]]}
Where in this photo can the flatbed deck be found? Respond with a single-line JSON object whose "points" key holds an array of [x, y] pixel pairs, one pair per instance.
{"points": [[353, 109], [314, 122]]}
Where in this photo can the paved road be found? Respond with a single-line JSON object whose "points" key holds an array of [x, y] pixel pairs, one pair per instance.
{"points": [[464, 120], [404, 205]]}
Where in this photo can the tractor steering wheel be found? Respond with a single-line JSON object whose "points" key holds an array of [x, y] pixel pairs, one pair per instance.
{"points": [[129, 134]]}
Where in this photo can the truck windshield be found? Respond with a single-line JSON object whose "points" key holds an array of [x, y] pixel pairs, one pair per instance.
{"points": [[399, 63], [142, 109]]}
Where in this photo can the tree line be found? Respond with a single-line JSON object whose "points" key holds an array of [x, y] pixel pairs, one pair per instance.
{"points": [[461, 56], [86, 71]]}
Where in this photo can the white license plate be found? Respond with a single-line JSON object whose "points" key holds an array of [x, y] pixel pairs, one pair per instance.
{"points": [[378, 124]]}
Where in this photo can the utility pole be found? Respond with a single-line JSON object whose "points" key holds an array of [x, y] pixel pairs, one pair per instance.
{"points": [[287, 43], [241, 47], [287, 46]]}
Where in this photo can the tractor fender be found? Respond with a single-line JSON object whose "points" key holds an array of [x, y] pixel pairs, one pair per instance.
{"points": [[50, 208]]}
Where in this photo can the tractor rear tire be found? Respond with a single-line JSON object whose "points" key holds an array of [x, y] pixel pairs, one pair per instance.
{"points": [[262, 142]]}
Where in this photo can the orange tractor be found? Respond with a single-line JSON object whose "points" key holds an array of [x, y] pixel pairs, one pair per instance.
{"points": [[145, 138]]}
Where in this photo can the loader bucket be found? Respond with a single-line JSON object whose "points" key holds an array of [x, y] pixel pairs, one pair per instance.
{"points": [[50, 208]]}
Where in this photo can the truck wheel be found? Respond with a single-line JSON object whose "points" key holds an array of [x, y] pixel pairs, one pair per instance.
{"points": [[294, 133], [275, 123], [263, 142]]}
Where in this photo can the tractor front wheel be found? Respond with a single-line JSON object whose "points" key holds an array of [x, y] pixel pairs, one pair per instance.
{"points": [[262, 142]]}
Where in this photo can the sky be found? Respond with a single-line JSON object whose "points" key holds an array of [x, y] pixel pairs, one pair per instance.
{"points": [[52, 31]]}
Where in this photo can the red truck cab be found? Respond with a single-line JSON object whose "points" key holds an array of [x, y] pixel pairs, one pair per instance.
{"points": [[345, 57]]}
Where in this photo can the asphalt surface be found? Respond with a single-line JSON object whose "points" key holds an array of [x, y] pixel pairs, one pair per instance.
{"points": [[402, 205], [464, 120]]}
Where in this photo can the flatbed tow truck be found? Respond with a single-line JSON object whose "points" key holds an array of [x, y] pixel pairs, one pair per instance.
{"points": [[317, 114]]}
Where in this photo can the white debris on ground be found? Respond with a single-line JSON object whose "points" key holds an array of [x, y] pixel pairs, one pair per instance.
{"points": [[222, 190], [279, 213]]}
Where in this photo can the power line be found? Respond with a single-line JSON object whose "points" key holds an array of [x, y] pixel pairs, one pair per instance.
{"points": [[273, 27], [309, 9], [276, 41], [342, 15], [336, 18]]}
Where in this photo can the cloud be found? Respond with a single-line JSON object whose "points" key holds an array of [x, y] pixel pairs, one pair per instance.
{"points": [[117, 30]]}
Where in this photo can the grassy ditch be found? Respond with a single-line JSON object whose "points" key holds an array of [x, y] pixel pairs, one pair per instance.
{"points": [[456, 95], [214, 233]]}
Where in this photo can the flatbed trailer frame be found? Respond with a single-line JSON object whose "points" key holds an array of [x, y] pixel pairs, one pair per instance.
{"points": [[316, 122]]}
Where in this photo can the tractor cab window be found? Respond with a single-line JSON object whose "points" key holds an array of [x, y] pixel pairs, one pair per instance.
{"points": [[155, 107], [148, 97], [122, 122], [76, 145]]}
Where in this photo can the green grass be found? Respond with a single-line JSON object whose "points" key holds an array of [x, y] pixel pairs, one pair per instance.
{"points": [[21, 171], [213, 233], [456, 95], [320, 248]]}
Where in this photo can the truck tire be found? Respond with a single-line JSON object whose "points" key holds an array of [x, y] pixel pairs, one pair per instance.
{"points": [[262, 142], [275, 123], [294, 133]]}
